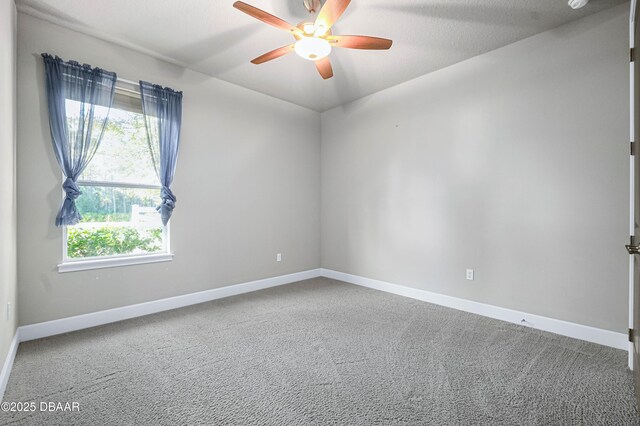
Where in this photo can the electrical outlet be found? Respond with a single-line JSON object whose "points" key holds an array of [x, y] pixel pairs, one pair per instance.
{"points": [[470, 274], [279, 257], [8, 311]]}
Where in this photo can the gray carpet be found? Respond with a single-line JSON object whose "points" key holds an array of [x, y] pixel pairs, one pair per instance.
{"points": [[321, 352]]}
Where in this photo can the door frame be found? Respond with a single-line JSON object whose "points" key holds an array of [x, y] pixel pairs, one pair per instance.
{"points": [[633, 15]]}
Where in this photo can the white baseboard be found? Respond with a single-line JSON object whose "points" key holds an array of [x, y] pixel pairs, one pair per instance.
{"points": [[65, 325], [565, 328], [8, 363]]}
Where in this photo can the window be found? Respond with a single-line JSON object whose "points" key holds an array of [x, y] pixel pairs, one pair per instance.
{"points": [[120, 191]]}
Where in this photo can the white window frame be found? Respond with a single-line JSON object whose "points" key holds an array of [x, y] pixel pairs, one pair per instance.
{"points": [[73, 264]]}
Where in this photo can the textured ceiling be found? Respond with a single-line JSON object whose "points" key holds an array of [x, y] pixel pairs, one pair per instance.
{"points": [[212, 37]]}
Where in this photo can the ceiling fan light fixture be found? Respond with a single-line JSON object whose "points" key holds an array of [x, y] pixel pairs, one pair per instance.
{"points": [[309, 28], [312, 48]]}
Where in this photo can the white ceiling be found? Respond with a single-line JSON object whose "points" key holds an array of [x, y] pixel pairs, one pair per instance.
{"points": [[212, 37]]}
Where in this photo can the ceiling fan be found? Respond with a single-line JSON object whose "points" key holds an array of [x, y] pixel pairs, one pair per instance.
{"points": [[314, 40]]}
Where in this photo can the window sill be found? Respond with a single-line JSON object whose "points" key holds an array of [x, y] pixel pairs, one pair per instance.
{"points": [[112, 262]]}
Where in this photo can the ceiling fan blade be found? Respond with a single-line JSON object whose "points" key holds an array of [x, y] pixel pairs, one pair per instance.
{"points": [[360, 42], [330, 12], [281, 51], [324, 68], [265, 17]]}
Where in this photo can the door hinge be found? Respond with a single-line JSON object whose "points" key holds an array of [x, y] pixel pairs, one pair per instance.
{"points": [[631, 335], [632, 54], [632, 248], [632, 148]]}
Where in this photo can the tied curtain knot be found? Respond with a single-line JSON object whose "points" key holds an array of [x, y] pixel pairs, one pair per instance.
{"points": [[71, 189], [167, 205], [69, 214]]}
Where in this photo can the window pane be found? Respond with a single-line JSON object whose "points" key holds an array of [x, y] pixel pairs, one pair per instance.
{"points": [[123, 155], [116, 221]]}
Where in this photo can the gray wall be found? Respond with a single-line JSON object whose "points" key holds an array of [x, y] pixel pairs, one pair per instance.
{"points": [[247, 184], [7, 175], [513, 163]]}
